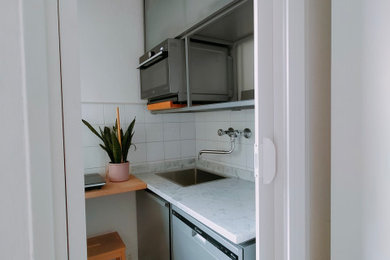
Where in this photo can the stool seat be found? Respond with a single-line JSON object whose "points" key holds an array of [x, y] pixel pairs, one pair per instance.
{"points": [[106, 247]]}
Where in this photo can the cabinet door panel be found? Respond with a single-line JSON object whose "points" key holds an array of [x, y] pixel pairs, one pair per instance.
{"points": [[163, 19], [169, 18]]}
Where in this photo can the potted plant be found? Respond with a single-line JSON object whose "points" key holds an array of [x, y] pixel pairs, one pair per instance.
{"points": [[117, 146]]}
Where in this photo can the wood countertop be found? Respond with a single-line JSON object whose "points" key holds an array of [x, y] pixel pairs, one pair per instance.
{"points": [[112, 188]]}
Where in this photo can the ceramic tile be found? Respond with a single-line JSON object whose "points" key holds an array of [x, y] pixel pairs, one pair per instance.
{"points": [[139, 133], [152, 118], [109, 112], [171, 131], [93, 113], [172, 150], [154, 132], [89, 138], [155, 151], [188, 148], [187, 130], [95, 157], [171, 118], [187, 117], [135, 110], [238, 116], [137, 155]]}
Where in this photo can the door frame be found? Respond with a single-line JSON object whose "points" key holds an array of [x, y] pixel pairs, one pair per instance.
{"points": [[71, 115], [281, 207]]}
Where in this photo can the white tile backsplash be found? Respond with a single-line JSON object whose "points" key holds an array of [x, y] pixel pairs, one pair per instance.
{"points": [[90, 139], [171, 131], [139, 133], [93, 113], [135, 111], [172, 150], [187, 117], [94, 157], [206, 127], [187, 130], [169, 136], [154, 132], [152, 118], [155, 151], [188, 149], [138, 155], [171, 118], [109, 113]]}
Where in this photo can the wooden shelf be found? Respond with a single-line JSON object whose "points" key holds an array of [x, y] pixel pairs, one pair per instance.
{"points": [[117, 187]]}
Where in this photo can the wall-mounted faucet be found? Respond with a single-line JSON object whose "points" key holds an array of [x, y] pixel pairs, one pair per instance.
{"points": [[233, 134]]}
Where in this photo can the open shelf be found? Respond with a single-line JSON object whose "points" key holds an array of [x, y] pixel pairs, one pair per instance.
{"points": [[112, 188], [235, 105]]}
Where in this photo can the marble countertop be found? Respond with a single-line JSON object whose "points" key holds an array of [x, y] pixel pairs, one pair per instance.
{"points": [[226, 206]]}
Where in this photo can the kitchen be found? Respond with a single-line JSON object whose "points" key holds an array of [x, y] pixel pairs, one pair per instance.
{"points": [[111, 41], [77, 59]]}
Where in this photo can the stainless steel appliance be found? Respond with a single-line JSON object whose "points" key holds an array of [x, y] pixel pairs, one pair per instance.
{"points": [[192, 240], [153, 226], [190, 177], [163, 72]]}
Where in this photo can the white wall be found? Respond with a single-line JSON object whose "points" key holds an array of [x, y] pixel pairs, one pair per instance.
{"points": [[360, 130], [111, 41]]}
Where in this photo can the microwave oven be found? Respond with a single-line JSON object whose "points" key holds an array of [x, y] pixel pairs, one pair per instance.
{"points": [[163, 72]]}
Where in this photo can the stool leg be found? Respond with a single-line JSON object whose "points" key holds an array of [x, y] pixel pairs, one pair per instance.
{"points": [[123, 255]]}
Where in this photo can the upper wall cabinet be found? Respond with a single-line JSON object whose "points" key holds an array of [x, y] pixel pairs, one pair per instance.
{"points": [[169, 18]]}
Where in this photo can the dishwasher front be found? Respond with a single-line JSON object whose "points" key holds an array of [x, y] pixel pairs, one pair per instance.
{"points": [[191, 240], [153, 214]]}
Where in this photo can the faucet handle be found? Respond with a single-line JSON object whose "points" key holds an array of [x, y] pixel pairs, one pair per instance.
{"points": [[220, 132], [235, 133]]}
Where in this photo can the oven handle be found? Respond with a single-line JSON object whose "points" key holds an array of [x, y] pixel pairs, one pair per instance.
{"points": [[157, 55]]}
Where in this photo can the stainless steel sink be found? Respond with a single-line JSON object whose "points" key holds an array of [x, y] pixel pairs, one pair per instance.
{"points": [[190, 177]]}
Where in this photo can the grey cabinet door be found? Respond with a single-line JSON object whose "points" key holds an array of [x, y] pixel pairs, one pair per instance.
{"points": [[153, 226], [169, 18]]}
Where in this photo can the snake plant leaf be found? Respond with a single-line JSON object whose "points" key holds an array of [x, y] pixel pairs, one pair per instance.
{"points": [[92, 129], [127, 140], [109, 136], [109, 152], [124, 146], [116, 149]]}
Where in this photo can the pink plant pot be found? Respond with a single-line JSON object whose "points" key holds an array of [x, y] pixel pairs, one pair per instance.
{"points": [[118, 171]]}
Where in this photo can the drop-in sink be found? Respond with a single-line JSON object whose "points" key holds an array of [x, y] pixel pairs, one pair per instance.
{"points": [[190, 177]]}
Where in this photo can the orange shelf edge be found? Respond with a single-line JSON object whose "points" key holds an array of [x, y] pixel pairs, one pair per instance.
{"points": [[164, 105]]}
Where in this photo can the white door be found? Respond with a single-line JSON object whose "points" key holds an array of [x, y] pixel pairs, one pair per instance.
{"points": [[360, 130], [292, 83]]}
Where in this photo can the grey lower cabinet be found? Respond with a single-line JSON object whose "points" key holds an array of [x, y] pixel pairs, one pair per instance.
{"points": [[153, 227]]}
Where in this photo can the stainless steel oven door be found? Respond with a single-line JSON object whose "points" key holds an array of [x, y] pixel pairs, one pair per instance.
{"points": [[155, 75], [155, 79]]}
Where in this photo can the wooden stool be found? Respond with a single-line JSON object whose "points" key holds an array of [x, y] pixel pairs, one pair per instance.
{"points": [[106, 247]]}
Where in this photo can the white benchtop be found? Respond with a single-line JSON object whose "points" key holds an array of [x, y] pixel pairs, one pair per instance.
{"points": [[226, 206]]}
